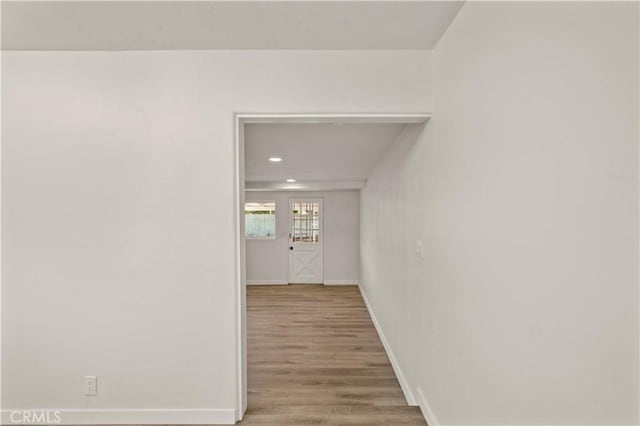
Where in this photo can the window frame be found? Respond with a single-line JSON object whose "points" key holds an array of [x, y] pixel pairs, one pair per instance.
{"points": [[275, 221]]}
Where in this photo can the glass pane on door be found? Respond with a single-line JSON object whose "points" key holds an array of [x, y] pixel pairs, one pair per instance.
{"points": [[305, 222]]}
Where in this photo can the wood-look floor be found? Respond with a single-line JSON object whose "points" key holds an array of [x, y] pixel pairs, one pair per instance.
{"points": [[314, 357]]}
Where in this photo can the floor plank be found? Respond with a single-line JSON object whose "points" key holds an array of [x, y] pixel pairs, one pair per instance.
{"points": [[315, 358]]}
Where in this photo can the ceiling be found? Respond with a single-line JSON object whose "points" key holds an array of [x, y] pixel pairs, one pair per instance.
{"points": [[319, 156], [174, 25]]}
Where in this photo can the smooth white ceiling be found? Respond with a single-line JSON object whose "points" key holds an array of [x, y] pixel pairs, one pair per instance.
{"points": [[337, 156], [164, 25]]}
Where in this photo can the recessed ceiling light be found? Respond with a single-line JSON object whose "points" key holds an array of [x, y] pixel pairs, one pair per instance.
{"points": [[291, 180], [275, 159]]}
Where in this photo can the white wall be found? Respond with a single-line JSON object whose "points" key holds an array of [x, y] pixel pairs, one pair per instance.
{"points": [[268, 259], [118, 214], [523, 188]]}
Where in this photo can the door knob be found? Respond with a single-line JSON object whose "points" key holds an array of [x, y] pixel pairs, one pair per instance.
{"points": [[290, 248]]}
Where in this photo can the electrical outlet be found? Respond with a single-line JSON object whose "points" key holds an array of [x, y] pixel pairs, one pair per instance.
{"points": [[419, 249], [90, 385]]}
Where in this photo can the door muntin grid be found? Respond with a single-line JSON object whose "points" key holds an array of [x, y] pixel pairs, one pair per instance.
{"points": [[305, 226]]}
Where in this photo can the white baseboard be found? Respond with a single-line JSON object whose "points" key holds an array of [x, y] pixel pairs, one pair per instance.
{"points": [[341, 282], [125, 416], [280, 282], [426, 409], [394, 363]]}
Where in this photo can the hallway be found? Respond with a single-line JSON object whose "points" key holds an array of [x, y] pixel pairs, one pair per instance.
{"points": [[314, 357]]}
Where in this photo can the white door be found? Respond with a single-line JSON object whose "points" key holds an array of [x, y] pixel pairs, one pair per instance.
{"points": [[305, 241]]}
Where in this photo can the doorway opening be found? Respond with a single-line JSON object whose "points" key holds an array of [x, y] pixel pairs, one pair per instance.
{"points": [[298, 203]]}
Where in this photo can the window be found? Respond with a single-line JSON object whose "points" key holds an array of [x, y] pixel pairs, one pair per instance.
{"points": [[260, 219], [306, 222]]}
